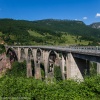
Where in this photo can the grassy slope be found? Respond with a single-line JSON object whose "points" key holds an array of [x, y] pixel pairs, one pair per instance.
{"points": [[34, 33], [68, 39], [71, 39]]}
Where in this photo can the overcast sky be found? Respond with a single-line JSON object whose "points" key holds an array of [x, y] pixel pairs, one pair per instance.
{"points": [[87, 11]]}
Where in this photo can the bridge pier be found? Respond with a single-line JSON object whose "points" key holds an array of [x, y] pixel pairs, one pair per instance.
{"points": [[46, 62], [36, 65], [19, 54], [63, 67], [37, 70], [98, 68], [75, 67], [26, 53], [29, 68]]}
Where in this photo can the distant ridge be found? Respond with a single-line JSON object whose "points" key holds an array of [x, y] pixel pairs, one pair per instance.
{"points": [[95, 25]]}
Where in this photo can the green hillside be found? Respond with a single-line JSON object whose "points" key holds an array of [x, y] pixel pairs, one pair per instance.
{"points": [[47, 32]]}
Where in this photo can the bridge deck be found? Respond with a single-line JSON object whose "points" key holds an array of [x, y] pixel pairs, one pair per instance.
{"points": [[88, 50]]}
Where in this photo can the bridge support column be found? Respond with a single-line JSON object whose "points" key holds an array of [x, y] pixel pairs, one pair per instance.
{"points": [[26, 53], [46, 57], [37, 71], [28, 63], [19, 54], [29, 68], [68, 69], [75, 67], [63, 67], [98, 68], [36, 65]]}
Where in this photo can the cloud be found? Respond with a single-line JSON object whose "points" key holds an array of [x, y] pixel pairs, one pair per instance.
{"points": [[77, 19], [98, 15], [84, 18]]}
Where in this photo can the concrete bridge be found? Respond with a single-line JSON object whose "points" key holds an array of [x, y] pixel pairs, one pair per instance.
{"points": [[73, 60]]}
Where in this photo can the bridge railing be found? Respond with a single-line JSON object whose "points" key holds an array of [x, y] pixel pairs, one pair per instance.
{"points": [[84, 49], [87, 49]]}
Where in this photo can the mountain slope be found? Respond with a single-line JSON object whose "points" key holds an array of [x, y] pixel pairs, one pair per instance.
{"points": [[44, 31], [95, 25]]}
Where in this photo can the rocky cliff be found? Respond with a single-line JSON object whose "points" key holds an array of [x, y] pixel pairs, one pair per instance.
{"points": [[95, 25], [4, 63]]}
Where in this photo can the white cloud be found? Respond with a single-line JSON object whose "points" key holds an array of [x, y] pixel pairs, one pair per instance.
{"points": [[84, 18], [77, 19], [98, 15]]}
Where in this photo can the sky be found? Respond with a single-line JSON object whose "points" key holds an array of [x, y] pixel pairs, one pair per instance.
{"points": [[87, 11]]}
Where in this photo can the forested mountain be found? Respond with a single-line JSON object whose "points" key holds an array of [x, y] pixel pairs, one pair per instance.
{"points": [[44, 31]]}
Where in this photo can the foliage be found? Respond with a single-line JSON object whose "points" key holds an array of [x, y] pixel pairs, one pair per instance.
{"points": [[2, 48], [38, 90], [57, 73], [42, 71], [18, 69], [15, 85]]}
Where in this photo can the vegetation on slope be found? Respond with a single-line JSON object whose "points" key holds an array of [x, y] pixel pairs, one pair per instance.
{"points": [[48, 31], [2, 48], [14, 85]]}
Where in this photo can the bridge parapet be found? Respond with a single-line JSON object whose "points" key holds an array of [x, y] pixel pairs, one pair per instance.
{"points": [[92, 50]]}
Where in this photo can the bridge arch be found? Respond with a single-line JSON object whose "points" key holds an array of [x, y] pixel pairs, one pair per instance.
{"points": [[39, 54], [22, 53], [51, 60], [30, 54], [12, 54]]}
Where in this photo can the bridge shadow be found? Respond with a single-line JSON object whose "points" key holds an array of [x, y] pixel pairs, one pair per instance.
{"points": [[42, 71], [33, 67], [82, 66]]}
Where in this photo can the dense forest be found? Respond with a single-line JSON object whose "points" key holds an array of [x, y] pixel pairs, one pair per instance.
{"points": [[44, 31]]}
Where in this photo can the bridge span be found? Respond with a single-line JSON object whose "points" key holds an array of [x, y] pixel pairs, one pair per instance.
{"points": [[74, 61]]}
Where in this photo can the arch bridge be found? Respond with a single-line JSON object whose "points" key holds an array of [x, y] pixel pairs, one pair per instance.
{"points": [[74, 61]]}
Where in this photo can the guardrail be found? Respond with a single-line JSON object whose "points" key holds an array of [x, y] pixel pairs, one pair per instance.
{"points": [[85, 49]]}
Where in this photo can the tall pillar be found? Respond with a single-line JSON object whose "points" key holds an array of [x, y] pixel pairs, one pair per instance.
{"points": [[68, 69], [28, 62], [62, 67], [75, 67], [46, 57], [29, 68], [19, 54], [36, 65], [37, 71], [98, 68], [26, 53]]}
